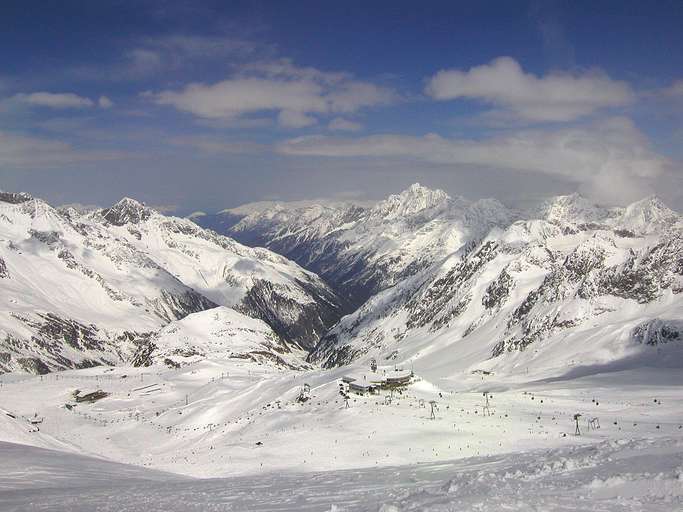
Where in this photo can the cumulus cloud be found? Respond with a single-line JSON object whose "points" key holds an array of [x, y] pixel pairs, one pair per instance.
{"points": [[53, 100], [232, 98], [294, 94], [353, 95], [611, 159], [295, 119], [105, 102], [553, 97], [341, 124]]}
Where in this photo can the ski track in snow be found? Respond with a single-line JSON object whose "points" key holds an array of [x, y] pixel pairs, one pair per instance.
{"points": [[321, 455], [223, 430], [636, 475]]}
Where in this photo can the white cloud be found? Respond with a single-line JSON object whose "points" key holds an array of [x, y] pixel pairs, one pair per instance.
{"points": [[285, 69], [351, 96], [295, 119], [341, 124], [294, 94], [611, 158], [157, 54], [148, 57], [232, 98], [141, 62], [105, 102], [675, 90], [53, 100], [215, 145], [20, 151], [553, 97], [180, 46]]}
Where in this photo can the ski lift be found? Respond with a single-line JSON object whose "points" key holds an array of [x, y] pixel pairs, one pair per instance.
{"points": [[487, 408], [35, 420], [576, 419], [304, 394], [434, 409]]}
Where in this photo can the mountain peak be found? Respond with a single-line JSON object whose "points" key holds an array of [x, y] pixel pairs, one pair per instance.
{"points": [[417, 190], [650, 203], [414, 199], [15, 197], [571, 208], [127, 211], [647, 214]]}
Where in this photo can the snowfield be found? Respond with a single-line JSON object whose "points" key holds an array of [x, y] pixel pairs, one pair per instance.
{"points": [[610, 476], [544, 359], [238, 427], [86, 288]]}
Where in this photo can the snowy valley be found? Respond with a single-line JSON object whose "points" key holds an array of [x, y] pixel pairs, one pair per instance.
{"points": [[88, 288], [238, 378]]}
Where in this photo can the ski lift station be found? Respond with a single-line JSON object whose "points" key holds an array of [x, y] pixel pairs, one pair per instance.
{"points": [[362, 382]]}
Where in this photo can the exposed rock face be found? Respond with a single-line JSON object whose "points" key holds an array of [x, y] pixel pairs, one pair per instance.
{"points": [[32, 365], [14, 197], [361, 249], [91, 287], [60, 343], [539, 283], [266, 302], [434, 304], [657, 332], [498, 291], [127, 211], [462, 283]]}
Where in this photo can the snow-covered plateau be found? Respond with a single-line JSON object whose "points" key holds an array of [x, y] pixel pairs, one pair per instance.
{"points": [[150, 364]]}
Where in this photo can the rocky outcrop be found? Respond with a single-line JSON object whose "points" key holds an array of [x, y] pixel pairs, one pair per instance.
{"points": [[658, 332], [361, 250], [300, 323], [539, 280], [90, 276], [127, 211], [14, 197]]}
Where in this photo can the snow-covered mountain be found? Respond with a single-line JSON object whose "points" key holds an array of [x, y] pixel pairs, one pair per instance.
{"points": [[451, 284], [574, 303], [86, 288], [578, 286], [220, 333], [362, 249]]}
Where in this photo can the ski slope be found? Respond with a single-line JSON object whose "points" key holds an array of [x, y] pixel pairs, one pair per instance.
{"points": [[607, 476], [209, 418]]}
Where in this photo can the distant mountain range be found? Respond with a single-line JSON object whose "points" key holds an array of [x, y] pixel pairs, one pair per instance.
{"points": [[96, 287], [419, 277], [360, 249], [475, 286]]}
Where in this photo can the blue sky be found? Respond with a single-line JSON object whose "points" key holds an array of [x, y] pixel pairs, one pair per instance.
{"points": [[205, 105]]}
